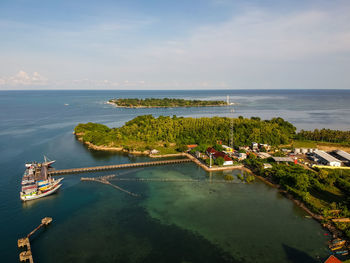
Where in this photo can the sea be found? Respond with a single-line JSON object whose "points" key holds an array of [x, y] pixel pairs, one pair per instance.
{"points": [[200, 221]]}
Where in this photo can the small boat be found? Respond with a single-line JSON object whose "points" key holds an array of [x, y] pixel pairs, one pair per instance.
{"points": [[37, 183], [338, 242], [341, 252], [336, 247]]}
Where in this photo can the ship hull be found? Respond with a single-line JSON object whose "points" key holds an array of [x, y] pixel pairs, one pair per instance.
{"points": [[37, 196]]}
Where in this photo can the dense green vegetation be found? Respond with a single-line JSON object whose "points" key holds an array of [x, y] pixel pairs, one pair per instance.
{"points": [[165, 102], [325, 135], [321, 190], [148, 131]]}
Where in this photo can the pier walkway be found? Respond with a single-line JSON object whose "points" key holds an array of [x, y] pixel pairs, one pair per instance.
{"points": [[104, 180], [117, 166], [170, 180], [24, 242]]}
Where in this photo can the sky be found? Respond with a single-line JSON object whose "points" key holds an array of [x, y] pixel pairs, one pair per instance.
{"points": [[182, 44]]}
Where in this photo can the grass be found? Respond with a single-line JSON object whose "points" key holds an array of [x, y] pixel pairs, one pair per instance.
{"points": [[315, 144], [317, 203], [167, 150], [304, 144], [332, 194]]}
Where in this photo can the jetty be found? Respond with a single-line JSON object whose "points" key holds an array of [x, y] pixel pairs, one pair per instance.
{"points": [[24, 242], [171, 180], [115, 167], [104, 180], [107, 178]]}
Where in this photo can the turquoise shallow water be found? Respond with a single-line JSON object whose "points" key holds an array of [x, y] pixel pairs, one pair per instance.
{"points": [[169, 222]]}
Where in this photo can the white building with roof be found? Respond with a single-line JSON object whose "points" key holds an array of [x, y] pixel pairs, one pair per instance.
{"points": [[327, 159], [343, 155]]}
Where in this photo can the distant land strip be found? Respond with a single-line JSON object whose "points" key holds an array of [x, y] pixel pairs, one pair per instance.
{"points": [[163, 103]]}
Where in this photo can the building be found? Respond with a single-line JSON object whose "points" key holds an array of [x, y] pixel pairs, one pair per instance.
{"points": [[286, 150], [343, 156], [154, 151], [242, 156], [303, 150], [191, 146], [255, 146], [282, 159], [245, 148], [263, 155], [267, 166], [297, 151], [198, 154], [216, 154], [228, 149], [327, 159], [266, 146]]}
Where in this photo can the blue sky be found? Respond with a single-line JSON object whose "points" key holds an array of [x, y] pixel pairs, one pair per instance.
{"points": [[209, 44]]}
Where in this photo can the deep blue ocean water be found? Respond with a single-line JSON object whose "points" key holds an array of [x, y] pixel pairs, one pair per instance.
{"points": [[176, 222]]}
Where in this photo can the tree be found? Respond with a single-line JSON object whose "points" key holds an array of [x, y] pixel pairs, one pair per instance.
{"points": [[181, 148], [229, 177], [322, 175], [218, 147], [219, 161]]}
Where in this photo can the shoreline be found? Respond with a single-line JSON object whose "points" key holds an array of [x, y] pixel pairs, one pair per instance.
{"points": [[336, 233]]}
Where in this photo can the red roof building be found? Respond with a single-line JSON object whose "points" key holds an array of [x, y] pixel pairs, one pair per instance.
{"points": [[191, 146], [332, 259], [217, 154]]}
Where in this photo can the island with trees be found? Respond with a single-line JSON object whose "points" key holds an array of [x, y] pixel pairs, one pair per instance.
{"points": [[163, 102], [174, 133]]}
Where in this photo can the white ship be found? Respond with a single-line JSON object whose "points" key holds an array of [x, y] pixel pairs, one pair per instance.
{"points": [[37, 182]]}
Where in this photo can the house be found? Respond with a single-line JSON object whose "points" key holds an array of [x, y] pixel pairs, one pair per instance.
{"points": [[227, 149], [154, 151], [267, 166], [327, 159], [255, 146], [216, 154], [191, 146], [242, 156], [198, 154], [265, 145], [263, 155], [245, 148]]}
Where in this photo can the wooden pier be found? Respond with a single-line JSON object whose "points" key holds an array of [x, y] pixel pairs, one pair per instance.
{"points": [[107, 178], [24, 242], [117, 166], [104, 180]]}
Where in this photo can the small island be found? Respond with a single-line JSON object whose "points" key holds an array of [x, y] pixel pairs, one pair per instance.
{"points": [[163, 103]]}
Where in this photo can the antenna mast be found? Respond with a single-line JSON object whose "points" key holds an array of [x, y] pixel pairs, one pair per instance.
{"points": [[232, 111]]}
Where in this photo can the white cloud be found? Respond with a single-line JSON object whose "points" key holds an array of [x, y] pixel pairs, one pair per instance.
{"points": [[23, 78], [257, 48]]}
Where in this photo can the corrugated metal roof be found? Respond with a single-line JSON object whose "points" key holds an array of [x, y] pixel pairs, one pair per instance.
{"points": [[343, 154], [329, 158], [282, 159]]}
